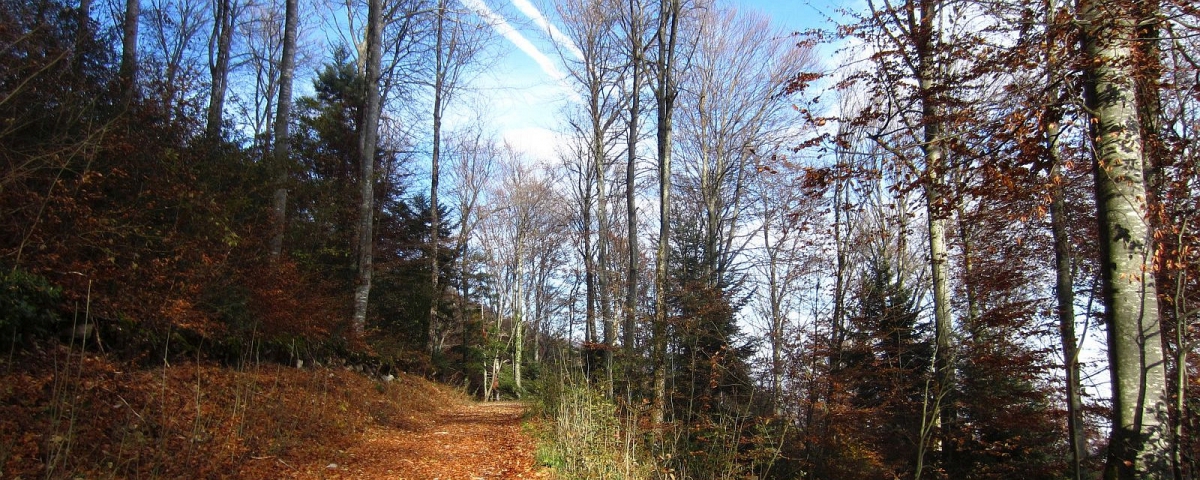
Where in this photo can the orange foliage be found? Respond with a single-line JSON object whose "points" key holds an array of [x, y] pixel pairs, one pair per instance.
{"points": [[284, 302]]}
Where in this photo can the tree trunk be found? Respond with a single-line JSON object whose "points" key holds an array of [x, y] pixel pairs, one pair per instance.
{"points": [[589, 266], [1064, 289], [776, 312], [631, 141], [968, 271], [129, 61], [83, 36], [368, 138], [1182, 349], [608, 321], [283, 141], [936, 212], [218, 66], [664, 93], [1149, 70], [943, 356], [439, 77], [518, 321], [1138, 446]]}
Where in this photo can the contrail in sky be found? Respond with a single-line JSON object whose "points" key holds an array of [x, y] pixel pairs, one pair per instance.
{"points": [[526, 7], [504, 28]]}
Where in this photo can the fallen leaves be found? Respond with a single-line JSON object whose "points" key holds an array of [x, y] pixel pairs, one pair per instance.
{"points": [[99, 419], [465, 441]]}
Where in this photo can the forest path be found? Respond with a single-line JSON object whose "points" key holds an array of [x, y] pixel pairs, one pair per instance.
{"points": [[466, 441]]}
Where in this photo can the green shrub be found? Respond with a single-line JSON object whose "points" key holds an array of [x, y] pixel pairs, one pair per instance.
{"points": [[28, 306]]}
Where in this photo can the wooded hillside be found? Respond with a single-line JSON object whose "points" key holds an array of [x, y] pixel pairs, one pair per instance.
{"points": [[931, 239]]}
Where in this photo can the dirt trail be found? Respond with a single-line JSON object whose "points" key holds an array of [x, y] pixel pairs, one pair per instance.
{"points": [[466, 441]]}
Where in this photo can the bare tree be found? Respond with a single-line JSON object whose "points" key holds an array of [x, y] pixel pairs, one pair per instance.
{"points": [[458, 43], [220, 45], [780, 260], [735, 105], [472, 164], [383, 73], [666, 90], [523, 231], [175, 27], [282, 149], [583, 196], [263, 31], [633, 23], [368, 139], [439, 95], [596, 67]]}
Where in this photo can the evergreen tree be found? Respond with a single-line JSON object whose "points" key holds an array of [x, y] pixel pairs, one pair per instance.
{"points": [[321, 235], [712, 384], [886, 373]]}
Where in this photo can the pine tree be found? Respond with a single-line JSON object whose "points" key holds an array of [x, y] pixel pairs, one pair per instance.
{"points": [[887, 370]]}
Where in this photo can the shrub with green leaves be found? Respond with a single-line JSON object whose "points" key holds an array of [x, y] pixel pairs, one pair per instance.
{"points": [[28, 306]]}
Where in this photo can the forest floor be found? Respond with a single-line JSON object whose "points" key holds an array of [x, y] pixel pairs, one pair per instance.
{"points": [[66, 413], [468, 441]]}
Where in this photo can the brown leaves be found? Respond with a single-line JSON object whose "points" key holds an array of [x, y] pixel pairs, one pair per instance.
{"points": [[104, 419], [465, 440]]}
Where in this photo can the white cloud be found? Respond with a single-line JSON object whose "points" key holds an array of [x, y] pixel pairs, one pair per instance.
{"points": [[527, 7], [540, 144], [507, 31]]}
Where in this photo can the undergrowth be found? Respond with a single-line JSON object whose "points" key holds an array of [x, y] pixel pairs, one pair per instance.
{"points": [[585, 434]]}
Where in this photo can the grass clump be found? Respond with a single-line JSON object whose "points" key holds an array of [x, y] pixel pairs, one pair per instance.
{"points": [[586, 435]]}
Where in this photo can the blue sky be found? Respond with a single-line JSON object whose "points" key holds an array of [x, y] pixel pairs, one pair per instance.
{"points": [[523, 94]]}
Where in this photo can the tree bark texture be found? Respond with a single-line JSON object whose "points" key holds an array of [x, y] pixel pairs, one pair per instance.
{"points": [[283, 141], [1138, 445], [937, 210], [368, 138]]}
